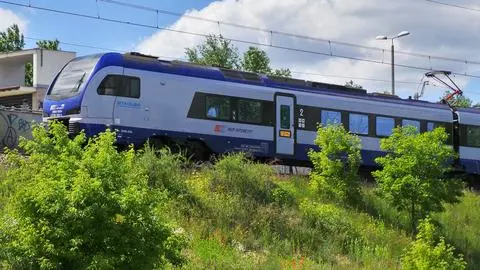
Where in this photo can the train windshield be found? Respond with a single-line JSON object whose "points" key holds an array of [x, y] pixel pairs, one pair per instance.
{"points": [[73, 77]]}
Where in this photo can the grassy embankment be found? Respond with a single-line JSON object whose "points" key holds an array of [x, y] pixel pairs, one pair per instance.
{"points": [[241, 215]]}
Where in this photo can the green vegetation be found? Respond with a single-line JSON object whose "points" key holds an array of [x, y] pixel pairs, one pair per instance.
{"points": [[424, 254], [414, 171], [217, 51], [335, 167], [76, 204], [72, 207]]}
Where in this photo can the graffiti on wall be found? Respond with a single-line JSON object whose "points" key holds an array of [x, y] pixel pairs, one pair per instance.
{"points": [[16, 124]]}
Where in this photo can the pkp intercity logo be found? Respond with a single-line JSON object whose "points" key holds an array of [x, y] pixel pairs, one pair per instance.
{"points": [[219, 129]]}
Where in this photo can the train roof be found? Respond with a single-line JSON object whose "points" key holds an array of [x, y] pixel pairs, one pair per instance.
{"points": [[152, 63], [469, 110]]}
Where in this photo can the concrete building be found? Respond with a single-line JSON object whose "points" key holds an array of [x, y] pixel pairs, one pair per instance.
{"points": [[45, 65]]}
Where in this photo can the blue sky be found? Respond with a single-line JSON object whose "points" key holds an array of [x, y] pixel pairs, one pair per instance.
{"points": [[71, 29], [353, 21]]}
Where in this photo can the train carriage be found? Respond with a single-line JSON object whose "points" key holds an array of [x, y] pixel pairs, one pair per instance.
{"points": [[220, 110]]}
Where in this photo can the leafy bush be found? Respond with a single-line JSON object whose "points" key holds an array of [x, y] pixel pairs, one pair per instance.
{"points": [[328, 218], [424, 254], [336, 165], [75, 208], [235, 174], [413, 177], [163, 169]]}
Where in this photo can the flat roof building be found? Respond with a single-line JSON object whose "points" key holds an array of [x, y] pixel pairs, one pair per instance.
{"points": [[45, 65]]}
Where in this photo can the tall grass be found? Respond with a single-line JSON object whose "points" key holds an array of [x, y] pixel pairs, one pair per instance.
{"points": [[460, 224], [241, 215]]}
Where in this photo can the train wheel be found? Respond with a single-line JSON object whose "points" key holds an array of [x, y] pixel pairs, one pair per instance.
{"points": [[198, 151]]}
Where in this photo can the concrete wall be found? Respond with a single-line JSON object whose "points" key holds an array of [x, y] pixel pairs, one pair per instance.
{"points": [[46, 64], [12, 75], [15, 124]]}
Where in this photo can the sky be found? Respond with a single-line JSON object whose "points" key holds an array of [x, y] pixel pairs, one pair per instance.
{"points": [[317, 45]]}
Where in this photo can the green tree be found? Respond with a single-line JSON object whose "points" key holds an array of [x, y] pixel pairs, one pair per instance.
{"points": [[42, 44], [352, 84], [72, 206], [215, 51], [427, 253], [11, 40], [458, 101], [335, 166], [256, 60], [414, 170], [49, 44], [283, 72]]}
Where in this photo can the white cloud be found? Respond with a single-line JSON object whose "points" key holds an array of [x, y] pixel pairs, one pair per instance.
{"points": [[9, 18], [435, 30]]}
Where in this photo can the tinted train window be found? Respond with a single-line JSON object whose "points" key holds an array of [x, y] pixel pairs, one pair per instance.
{"points": [[218, 107], [384, 126], [416, 124], [121, 86], [358, 123], [285, 116], [473, 136], [249, 111], [331, 117]]}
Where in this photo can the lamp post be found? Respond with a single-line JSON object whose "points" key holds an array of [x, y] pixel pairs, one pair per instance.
{"points": [[401, 34]]}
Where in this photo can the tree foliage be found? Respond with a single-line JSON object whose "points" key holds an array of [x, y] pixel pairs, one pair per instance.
{"points": [[256, 60], [335, 166], [218, 51], [352, 84], [459, 101], [49, 44], [414, 170], [11, 40], [215, 51], [425, 253], [75, 207]]}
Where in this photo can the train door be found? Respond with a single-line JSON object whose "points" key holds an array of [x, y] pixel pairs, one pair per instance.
{"points": [[100, 99], [129, 110], [284, 124]]}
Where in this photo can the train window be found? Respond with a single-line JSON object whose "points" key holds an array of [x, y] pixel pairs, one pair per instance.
{"points": [[132, 87], [473, 136], [430, 126], [285, 116], [218, 107], [384, 126], [121, 86], [358, 123], [331, 117], [249, 111], [407, 122]]}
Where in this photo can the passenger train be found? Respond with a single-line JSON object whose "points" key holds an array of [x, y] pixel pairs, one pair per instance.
{"points": [[217, 110]]}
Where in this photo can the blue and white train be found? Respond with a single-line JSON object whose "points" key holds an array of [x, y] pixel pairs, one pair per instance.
{"points": [[217, 110]]}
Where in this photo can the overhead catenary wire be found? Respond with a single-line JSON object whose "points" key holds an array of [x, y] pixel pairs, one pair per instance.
{"points": [[271, 32], [449, 5], [182, 58], [292, 71], [231, 39], [96, 47]]}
